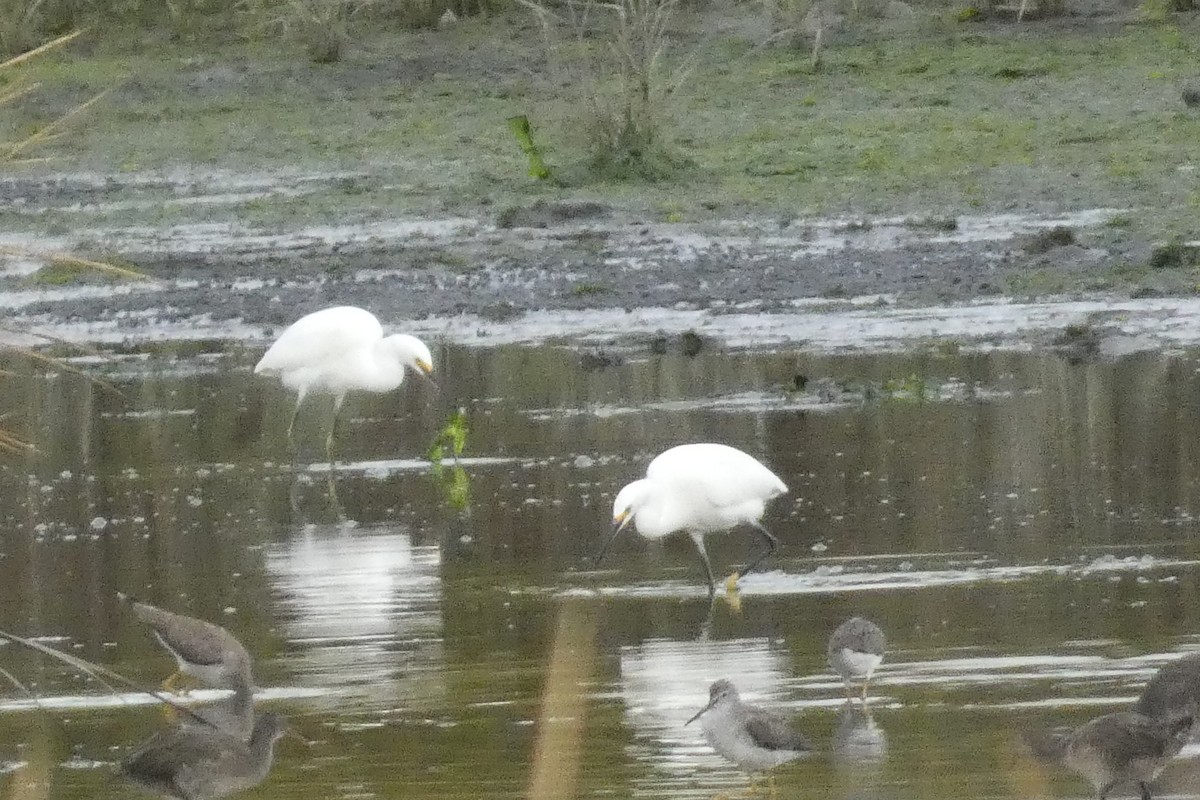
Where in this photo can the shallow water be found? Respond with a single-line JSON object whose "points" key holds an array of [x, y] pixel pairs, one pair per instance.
{"points": [[1022, 527]]}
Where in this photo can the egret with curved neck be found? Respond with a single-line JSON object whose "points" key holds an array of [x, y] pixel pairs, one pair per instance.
{"points": [[340, 350], [699, 489]]}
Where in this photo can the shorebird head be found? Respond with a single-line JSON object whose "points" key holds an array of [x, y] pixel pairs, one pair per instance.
{"points": [[720, 692]]}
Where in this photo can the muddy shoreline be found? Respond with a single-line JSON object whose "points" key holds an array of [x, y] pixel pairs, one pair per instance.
{"points": [[529, 268]]}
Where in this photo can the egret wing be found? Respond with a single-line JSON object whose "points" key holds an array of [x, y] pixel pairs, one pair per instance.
{"points": [[724, 475], [321, 336]]}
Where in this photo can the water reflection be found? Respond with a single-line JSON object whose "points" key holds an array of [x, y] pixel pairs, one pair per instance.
{"points": [[198, 762], [362, 613], [663, 682], [1025, 534], [232, 715], [857, 738]]}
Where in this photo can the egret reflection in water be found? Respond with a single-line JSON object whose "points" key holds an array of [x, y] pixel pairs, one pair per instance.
{"points": [[364, 603], [664, 681], [954, 522]]}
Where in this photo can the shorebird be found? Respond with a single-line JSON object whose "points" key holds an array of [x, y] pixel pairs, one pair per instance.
{"points": [[1123, 747], [699, 489], [855, 650], [1174, 691], [339, 350], [752, 738], [233, 715], [203, 650], [196, 762]]}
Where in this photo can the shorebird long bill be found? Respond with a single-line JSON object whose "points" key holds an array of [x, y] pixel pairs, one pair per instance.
{"points": [[619, 523], [701, 712]]}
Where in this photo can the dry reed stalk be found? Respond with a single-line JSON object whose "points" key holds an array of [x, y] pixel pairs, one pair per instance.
{"points": [[68, 259], [37, 51]]}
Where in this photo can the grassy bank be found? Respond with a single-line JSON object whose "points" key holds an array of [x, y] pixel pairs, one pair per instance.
{"points": [[948, 118]]}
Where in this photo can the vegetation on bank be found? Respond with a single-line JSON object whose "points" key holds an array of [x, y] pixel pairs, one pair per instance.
{"points": [[685, 110]]}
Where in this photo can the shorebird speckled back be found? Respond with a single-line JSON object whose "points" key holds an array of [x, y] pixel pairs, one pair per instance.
{"points": [[203, 650], [855, 651], [751, 737], [1123, 747]]}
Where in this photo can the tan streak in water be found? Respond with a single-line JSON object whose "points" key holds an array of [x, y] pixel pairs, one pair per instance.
{"points": [[556, 753], [32, 782]]}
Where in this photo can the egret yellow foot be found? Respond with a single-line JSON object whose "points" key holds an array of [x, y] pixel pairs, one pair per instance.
{"points": [[169, 684], [178, 683], [732, 598]]}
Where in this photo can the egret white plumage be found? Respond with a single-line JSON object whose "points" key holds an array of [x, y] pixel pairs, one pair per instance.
{"points": [[700, 489], [339, 350]]}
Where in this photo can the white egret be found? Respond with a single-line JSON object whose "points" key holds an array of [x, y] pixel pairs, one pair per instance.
{"points": [[700, 489], [340, 350]]}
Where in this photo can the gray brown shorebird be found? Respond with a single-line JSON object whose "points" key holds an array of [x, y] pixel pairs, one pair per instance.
{"points": [[206, 652], [1174, 691], [752, 738], [1124, 747], [203, 763], [855, 651]]}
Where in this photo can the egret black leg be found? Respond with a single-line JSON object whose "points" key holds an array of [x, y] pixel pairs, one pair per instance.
{"points": [[292, 425], [772, 546], [300, 395], [337, 408]]}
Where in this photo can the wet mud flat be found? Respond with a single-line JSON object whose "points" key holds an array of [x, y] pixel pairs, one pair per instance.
{"points": [[534, 267]]}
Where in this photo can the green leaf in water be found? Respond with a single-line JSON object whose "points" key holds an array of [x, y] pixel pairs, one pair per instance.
{"points": [[456, 488]]}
